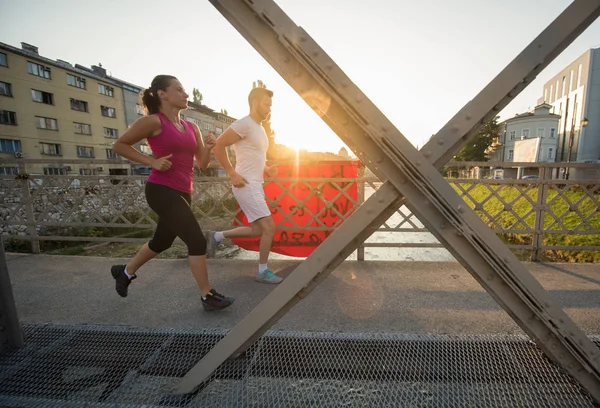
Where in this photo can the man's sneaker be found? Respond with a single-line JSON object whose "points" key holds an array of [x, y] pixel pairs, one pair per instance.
{"points": [[267, 277], [121, 280], [211, 245], [216, 301]]}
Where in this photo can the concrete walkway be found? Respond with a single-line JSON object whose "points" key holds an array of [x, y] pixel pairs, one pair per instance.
{"points": [[372, 296]]}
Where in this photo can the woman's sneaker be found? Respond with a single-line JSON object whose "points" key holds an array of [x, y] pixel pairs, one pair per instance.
{"points": [[216, 301], [121, 280]]}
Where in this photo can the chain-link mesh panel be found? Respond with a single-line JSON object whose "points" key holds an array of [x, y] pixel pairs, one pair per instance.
{"points": [[100, 366]]}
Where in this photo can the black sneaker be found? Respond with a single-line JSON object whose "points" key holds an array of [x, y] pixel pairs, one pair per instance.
{"points": [[216, 301], [121, 280]]}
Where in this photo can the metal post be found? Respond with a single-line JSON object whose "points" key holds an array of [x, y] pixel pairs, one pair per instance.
{"points": [[28, 201], [11, 335], [414, 175], [360, 251], [540, 213]]}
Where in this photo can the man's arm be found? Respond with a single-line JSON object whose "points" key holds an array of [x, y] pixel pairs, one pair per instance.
{"points": [[203, 151], [228, 138]]}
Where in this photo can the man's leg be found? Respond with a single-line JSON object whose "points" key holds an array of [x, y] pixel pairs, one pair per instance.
{"points": [[267, 227]]}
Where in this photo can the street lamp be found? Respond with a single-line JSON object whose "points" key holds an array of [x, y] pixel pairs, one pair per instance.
{"points": [[583, 123]]}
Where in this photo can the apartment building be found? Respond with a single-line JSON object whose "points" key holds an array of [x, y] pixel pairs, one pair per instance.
{"points": [[50, 109], [574, 94]]}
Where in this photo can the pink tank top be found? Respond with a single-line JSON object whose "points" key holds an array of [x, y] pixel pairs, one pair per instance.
{"points": [[183, 146]]}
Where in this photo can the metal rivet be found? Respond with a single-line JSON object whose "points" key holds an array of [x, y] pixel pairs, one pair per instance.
{"points": [[468, 117], [427, 153], [418, 162], [455, 129], [461, 208], [441, 141], [329, 66], [302, 39]]}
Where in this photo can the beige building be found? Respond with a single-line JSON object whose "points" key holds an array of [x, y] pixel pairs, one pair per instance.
{"points": [[51, 109], [54, 110]]}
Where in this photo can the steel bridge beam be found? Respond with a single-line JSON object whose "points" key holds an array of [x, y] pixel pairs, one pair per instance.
{"points": [[413, 179]]}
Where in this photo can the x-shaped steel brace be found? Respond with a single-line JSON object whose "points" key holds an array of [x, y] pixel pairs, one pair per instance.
{"points": [[413, 179]]}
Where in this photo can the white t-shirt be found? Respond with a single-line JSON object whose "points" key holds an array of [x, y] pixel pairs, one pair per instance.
{"points": [[251, 151]]}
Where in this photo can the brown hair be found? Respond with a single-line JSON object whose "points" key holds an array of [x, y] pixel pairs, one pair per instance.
{"points": [[258, 94], [150, 98]]}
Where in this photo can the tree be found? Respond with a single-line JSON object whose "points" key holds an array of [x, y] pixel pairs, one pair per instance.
{"points": [[197, 95], [475, 149], [272, 150], [224, 111]]}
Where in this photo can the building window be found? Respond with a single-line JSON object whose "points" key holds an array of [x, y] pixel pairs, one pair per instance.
{"points": [[571, 81], [110, 132], [82, 128], [3, 59], [5, 89], [51, 149], [541, 132], [110, 154], [525, 133], [139, 109], [78, 105], [9, 171], [195, 121], [76, 81], [146, 149], [42, 97], [219, 130], [38, 70], [55, 171], [552, 133], [106, 90], [108, 112], [84, 151], [46, 123], [513, 134], [88, 172], [8, 118], [9, 145], [209, 126], [551, 153], [511, 154]]}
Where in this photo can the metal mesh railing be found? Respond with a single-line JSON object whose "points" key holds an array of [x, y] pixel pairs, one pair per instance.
{"points": [[534, 215], [105, 366]]}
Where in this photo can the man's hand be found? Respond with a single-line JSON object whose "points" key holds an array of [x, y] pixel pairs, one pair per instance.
{"points": [[271, 171], [162, 163], [237, 180], [210, 140]]}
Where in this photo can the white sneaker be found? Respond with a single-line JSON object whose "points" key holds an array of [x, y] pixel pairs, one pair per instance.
{"points": [[268, 277]]}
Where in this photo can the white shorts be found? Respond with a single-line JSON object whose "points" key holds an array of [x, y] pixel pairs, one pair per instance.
{"points": [[251, 199]]}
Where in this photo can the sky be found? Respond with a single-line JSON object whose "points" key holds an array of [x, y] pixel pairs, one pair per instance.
{"points": [[419, 62]]}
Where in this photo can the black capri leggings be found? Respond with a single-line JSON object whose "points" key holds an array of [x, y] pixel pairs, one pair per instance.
{"points": [[175, 219]]}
